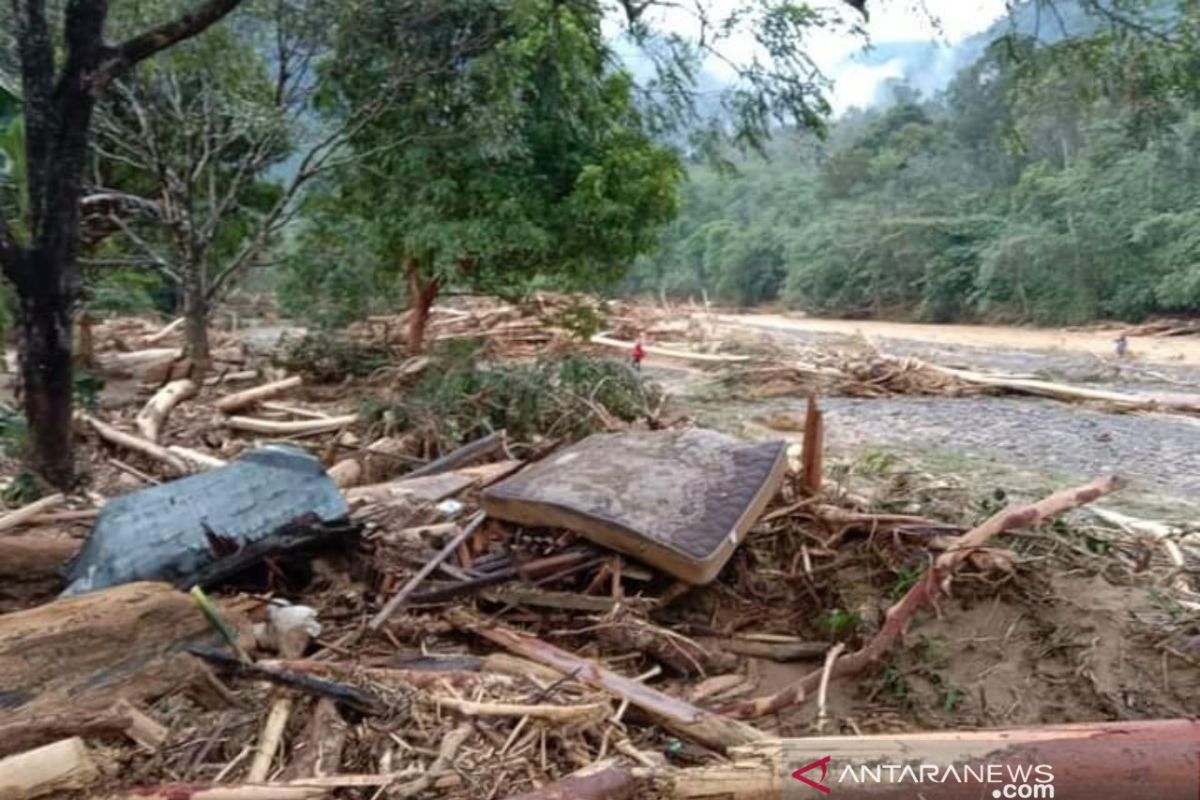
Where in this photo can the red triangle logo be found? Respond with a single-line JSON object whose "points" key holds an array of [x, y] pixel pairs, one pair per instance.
{"points": [[824, 765]]}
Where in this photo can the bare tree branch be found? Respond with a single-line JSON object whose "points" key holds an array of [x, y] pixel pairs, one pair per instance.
{"points": [[144, 45]]}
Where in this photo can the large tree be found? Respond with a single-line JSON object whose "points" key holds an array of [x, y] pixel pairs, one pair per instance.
{"points": [[61, 78], [528, 160]]}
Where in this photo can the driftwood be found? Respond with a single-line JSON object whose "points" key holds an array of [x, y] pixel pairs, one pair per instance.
{"points": [[560, 564], [154, 415], [1095, 760], [321, 750], [81, 654], [813, 453], [349, 696], [201, 461], [378, 461], [477, 450], [27, 513], [684, 355], [1061, 391], [55, 768], [679, 716], [248, 397], [600, 781], [398, 599], [775, 651], [139, 445], [561, 714], [35, 556], [302, 427], [933, 583], [430, 488], [164, 332], [123, 719]]}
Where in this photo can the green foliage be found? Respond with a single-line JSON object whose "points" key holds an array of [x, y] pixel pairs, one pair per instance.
{"points": [[582, 318], [522, 162], [127, 291], [87, 386], [840, 622], [1052, 184], [14, 432], [461, 399], [324, 356], [22, 489]]}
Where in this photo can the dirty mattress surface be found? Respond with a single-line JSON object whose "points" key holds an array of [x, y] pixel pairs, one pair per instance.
{"points": [[679, 500]]}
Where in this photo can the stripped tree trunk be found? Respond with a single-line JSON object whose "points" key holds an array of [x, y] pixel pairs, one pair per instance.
{"points": [[420, 301]]}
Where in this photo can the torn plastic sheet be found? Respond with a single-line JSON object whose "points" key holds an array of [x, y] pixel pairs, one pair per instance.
{"points": [[175, 531]]}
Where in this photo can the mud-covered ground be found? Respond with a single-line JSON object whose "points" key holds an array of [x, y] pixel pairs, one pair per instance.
{"points": [[1015, 442]]}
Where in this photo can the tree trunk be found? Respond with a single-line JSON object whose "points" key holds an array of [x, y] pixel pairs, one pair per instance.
{"points": [[195, 312], [420, 301], [46, 380]]}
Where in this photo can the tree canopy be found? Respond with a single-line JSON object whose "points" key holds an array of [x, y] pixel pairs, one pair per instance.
{"points": [[1053, 183], [528, 161]]}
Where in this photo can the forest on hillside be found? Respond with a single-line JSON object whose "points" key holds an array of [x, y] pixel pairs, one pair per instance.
{"points": [[1052, 183]]}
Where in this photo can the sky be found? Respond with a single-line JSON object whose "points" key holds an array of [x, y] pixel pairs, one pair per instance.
{"points": [[944, 21], [832, 50]]}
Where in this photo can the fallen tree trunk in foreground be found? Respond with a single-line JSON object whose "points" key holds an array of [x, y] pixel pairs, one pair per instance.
{"points": [[82, 654], [56, 768], [1104, 760], [934, 582]]}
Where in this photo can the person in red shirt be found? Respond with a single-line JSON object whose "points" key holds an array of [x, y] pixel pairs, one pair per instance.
{"points": [[639, 352]]}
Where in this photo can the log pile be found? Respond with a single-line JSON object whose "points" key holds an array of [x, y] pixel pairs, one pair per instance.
{"points": [[444, 654]]}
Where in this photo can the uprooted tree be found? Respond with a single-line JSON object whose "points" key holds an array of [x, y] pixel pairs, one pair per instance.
{"points": [[60, 83]]}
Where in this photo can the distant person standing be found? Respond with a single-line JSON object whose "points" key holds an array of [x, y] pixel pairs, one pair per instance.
{"points": [[639, 353], [1122, 345]]}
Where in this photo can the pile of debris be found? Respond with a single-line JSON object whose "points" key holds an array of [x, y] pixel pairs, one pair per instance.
{"points": [[294, 601]]}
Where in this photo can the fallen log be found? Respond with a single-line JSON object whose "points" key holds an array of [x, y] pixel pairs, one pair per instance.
{"points": [[1061, 391], [28, 512], [303, 427], [681, 717], [35, 556], [164, 332], [154, 415], [430, 488], [63, 766], [379, 461], [933, 583], [1104, 760], [248, 397], [320, 752], [683, 355], [560, 714], [81, 654], [477, 450], [134, 363], [398, 599], [201, 461], [601, 781], [139, 445]]}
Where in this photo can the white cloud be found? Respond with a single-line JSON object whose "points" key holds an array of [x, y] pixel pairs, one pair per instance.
{"points": [[832, 49]]}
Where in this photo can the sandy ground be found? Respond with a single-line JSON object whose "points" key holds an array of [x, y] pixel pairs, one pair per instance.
{"points": [[1181, 350], [1020, 443]]}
